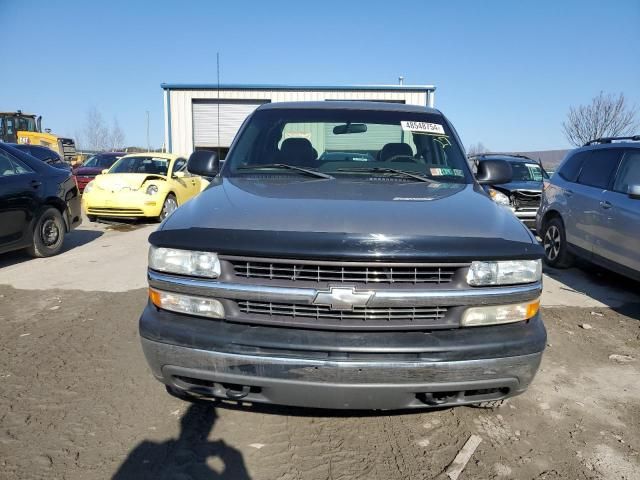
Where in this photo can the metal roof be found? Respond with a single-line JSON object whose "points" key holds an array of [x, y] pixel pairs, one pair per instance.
{"points": [[259, 86], [349, 105]]}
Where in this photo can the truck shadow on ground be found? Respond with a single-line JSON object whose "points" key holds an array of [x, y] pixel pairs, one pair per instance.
{"points": [[190, 456], [73, 239]]}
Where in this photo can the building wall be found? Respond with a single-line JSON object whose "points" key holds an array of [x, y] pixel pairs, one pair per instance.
{"points": [[179, 121]]}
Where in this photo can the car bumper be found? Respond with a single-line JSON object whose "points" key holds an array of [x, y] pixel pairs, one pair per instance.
{"points": [[359, 370], [527, 217], [124, 204]]}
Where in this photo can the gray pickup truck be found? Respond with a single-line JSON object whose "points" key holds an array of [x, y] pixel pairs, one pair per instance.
{"points": [[344, 257]]}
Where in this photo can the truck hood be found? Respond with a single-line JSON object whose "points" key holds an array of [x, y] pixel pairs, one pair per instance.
{"points": [[341, 214], [528, 186], [118, 181]]}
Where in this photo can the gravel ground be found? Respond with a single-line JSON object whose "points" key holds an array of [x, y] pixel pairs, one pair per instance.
{"points": [[77, 402]]}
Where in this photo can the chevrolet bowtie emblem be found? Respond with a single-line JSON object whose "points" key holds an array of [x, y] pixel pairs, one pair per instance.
{"points": [[342, 298]]}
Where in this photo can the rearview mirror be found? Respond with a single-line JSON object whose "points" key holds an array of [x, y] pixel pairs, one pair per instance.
{"points": [[494, 172], [204, 163], [106, 170], [634, 192], [178, 174], [349, 128]]}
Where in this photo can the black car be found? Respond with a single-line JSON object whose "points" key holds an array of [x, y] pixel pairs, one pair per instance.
{"points": [[42, 153], [39, 204], [345, 257], [522, 194]]}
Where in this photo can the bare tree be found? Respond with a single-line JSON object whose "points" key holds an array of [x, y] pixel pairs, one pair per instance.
{"points": [[477, 149], [606, 116], [117, 136], [96, 132]]}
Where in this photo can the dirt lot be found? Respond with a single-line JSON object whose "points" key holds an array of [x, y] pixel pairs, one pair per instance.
{"points": [[77, 402]]}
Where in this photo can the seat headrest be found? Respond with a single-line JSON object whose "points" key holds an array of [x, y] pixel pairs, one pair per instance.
{"points": [[394, 149], [298, 150]]}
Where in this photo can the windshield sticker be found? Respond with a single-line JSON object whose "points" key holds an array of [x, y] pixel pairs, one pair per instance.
{"points": [[422, 127], [443, 141], [450, 172]]}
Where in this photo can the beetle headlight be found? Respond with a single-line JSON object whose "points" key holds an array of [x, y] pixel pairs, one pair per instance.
{"points": [[88, 187], [184, 262], [499, 197], [507, 272], [152, 190]]}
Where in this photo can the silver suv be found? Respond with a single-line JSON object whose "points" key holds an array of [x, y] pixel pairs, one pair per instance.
{"points": [[591, 207]]}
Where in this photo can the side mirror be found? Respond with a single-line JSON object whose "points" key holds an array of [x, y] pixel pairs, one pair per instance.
{"points": [[634, 192], [106, 170], [204, 163], [494, 172], [178, 174]]}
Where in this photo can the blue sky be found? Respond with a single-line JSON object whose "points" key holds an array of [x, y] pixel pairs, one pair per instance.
{"points": [[506, 72]]}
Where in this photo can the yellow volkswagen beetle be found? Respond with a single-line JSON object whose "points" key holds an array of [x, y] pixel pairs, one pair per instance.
{"points": [[141, 185]]}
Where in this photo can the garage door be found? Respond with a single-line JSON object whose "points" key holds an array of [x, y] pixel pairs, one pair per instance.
{"points": [[205, 121]]}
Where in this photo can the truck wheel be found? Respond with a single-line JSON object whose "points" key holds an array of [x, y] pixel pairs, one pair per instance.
{"points": [[48, 234], [555, 245], [168, 207]]}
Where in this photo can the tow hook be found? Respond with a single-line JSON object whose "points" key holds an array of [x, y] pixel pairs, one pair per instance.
{"points": [[237, 394]]}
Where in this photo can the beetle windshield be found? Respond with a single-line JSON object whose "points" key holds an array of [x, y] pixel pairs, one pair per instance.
{"points": [[148, 165], [350, 142]]}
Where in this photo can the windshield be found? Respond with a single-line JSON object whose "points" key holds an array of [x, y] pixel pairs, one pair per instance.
{"points": [[26, 124], [349, 142], [527, 172], [100, 161], [148, 165]]}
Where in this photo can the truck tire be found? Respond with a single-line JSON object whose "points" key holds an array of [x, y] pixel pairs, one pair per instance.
{"points": [[48, 234], [555, 244]]}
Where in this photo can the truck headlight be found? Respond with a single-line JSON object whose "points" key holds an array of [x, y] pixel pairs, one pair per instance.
{"points": [[499, 197], [152, 190], [177, 302], [497, 314], [184, 262], [505, 272], [88, 187]]}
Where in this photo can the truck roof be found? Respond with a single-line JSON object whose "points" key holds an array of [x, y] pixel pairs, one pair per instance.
{"points": [[349, 105]]}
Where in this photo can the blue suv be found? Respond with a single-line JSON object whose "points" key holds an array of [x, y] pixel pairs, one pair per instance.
{"points": [[591, 207]]}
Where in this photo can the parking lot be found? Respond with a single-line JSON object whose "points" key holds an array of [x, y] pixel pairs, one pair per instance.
{"points": [[77, 400]]}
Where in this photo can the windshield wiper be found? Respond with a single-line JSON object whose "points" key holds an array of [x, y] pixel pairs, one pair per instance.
{"points": [[417, 176], [308, 171]]}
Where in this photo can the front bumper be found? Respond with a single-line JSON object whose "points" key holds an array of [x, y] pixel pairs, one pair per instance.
{"points": [[341, 370], [528, 217], [121, 204]]}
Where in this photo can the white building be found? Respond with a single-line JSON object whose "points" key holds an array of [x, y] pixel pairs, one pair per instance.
{"points": [[192, 116]]}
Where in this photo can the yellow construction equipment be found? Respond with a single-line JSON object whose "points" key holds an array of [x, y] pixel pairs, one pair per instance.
{"points": [[19, 127]]}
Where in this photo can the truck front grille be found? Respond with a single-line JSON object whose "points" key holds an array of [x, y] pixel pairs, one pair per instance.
{"points": [[318, 316], [523, 200], [343, 272]]}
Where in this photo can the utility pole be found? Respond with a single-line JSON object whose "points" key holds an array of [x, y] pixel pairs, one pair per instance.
{"points": [[148, 144]]}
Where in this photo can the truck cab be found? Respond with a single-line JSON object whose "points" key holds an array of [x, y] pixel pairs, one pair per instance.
{"points": [[344, 257]]}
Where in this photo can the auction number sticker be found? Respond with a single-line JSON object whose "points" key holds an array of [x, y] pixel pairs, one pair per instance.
{"points": [[422, 127]]}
